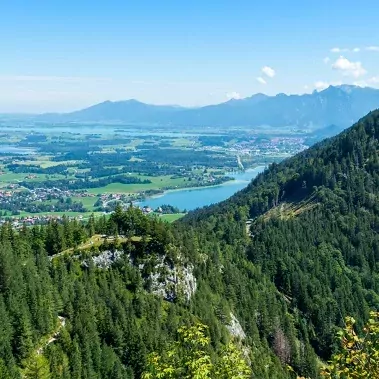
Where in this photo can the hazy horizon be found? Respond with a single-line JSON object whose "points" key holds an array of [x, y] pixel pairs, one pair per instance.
{"points": [[59, 58], [177, 105]]}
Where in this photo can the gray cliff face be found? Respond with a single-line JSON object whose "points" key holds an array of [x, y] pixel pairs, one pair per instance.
{"points": [[235, 329], [168, 280], [107, 258], [173, 281]]}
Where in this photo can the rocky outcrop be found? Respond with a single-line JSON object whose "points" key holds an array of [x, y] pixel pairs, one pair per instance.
{"points": [[173, 281], [106, 258], [168, 280], [235, 329]]}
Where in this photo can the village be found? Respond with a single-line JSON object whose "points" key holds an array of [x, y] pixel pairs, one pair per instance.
{"points": [[270, 147], [15, 199], [29, 199]]}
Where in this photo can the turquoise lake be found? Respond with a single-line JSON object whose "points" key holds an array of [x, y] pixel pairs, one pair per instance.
{"points": [[189, 199]]}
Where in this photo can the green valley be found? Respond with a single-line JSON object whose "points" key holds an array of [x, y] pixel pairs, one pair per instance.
{"points": [[79, 169]]}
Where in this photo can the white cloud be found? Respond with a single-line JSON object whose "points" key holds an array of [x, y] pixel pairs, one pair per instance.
{"points": [[348, 68], [233, 95], [268, 71], [345, 50], [261, 80], [354, 50], [360, 83], [326, 60], [320, 85], [338, 50]]}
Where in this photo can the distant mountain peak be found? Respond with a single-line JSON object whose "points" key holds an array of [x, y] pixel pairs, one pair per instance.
{"points": [[339, 105], [259, 95], [250, 99], [348, 88], [134, 101]]}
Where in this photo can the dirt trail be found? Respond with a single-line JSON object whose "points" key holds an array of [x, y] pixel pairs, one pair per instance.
{"points": [[54, 335]]}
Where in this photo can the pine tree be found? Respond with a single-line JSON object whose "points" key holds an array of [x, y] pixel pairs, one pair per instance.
{"points": [[23, 338], [37, 367]]}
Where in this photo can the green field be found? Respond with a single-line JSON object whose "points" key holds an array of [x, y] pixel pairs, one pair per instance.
{"points": [[172, 217], [88, 202], [9, 178], [157, 182]]}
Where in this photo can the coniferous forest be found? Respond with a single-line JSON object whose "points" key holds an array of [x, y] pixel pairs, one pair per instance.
{"points": [[275, 269]]}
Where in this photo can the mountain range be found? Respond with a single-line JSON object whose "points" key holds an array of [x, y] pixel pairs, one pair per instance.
{"points": [[336, 105]]}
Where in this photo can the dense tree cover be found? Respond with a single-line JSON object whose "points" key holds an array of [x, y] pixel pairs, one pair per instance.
{"points": [[152, 161], [112, 322], [188, 158], [105, 164], [309, 258], [37, 169], [314, 232]]}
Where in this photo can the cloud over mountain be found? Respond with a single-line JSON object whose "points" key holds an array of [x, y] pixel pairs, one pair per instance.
{"points": [[348, 68]]}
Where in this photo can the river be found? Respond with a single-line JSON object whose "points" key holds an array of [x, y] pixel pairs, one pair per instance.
{"points": [[189, 199]]}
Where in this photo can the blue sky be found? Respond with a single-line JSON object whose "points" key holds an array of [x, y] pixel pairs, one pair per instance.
{"points": [[65, 55]]}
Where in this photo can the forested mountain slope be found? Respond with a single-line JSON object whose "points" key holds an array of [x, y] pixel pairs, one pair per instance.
{"points": [[314, 230], [77, 308], [94, 300]]}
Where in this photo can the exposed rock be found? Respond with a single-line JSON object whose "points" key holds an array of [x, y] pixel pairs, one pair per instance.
{"points": [[106, 258], [173, 281], [188, 281], [168, 280], [235, 328]]}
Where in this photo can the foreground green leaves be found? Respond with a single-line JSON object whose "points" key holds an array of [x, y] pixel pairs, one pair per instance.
{"points": [[189, 358], [359, 358]]}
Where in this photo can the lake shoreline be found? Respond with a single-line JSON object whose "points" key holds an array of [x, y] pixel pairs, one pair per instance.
{"points": [[179, 192], [228, 182]]}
